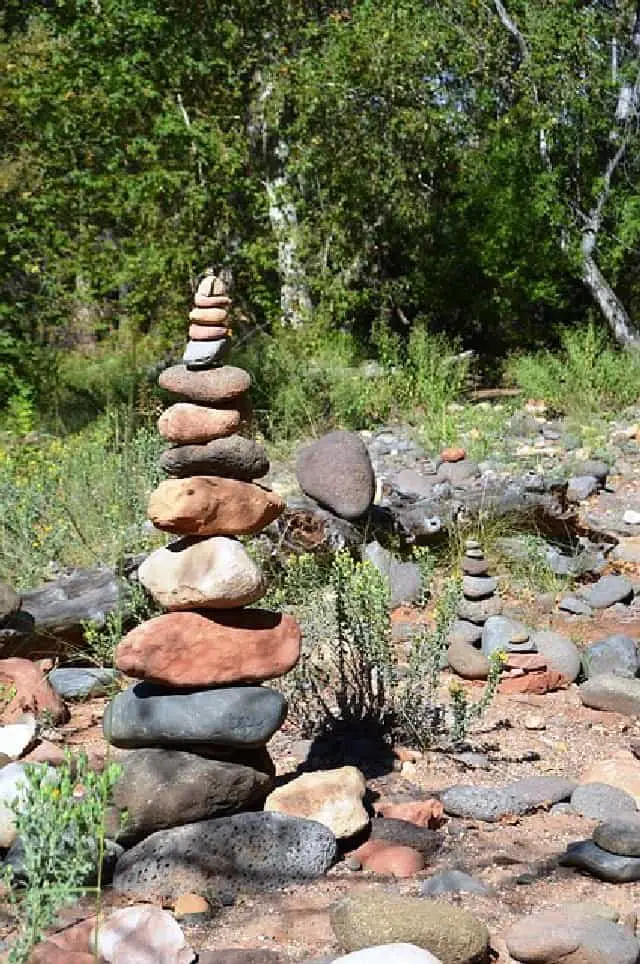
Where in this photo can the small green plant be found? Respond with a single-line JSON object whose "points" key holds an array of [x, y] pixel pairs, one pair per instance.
{"points": [[100, 640], [464, 711], [60, 821], [425, 560]]}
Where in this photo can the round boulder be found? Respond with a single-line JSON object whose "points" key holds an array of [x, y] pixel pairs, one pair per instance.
{"points": [[336, 471]]}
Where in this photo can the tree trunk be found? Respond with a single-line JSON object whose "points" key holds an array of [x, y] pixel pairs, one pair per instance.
{"points": [[295, 300], [610, 305]]}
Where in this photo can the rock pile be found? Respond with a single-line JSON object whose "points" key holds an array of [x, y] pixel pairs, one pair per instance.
{"points": [[479, 604], [613, 853], [197, 723]]}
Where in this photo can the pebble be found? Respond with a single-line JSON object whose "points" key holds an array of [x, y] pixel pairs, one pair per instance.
{"points": [[141, 935], [607, 591], [616, 694], [331, 797], [389, 858], [336, 471], [619, 835], [255, 850], [235, 716], [72, 683], [552, 935], [600, 801], [533, 721], [617, 655], [491, 803], [195, 573], [208, 387], [586, 855], [452, 934], [453, 881], [232, 457], [478, 587], [210, 506], [204, 354], [631, 517], [560, 653], [188, 424]]}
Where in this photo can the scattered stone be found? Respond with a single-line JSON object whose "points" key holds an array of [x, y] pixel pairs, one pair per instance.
{"points": [[141, 935], [458, 472], [387, 954], [595, 467], [586, 855], [232, 457], [492, 803], [467, 661], [608, 591], [500, 633], [196, 649], [203, 354], [184, 423], [478, 587], [16, 738], [560, 652], [209, 573], [617, 655], [600, 801], [619, 835], [452, 934], [336, 471], [615, 694], [420, 838], [412, 483], [479, 610], [259, 850], [9, 602], [404, 578], [209, 387], [453, 454], [578, 607], [631, 517], [580, 487], [331, 797], [466, 632], [453, 881], [621, 770], [237, 716], [209, 506], [29, 691], [422, 813], [73, 683], [627, 550], [533, 721], [553, 935], [386, 857], [161, 788]]}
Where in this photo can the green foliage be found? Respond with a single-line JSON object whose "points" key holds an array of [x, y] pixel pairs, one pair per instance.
{"points": [[100, 640], [465, 712], [587, 375], [60, 821]]}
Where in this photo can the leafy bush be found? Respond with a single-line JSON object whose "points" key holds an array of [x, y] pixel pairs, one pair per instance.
{"points": [[587, 375]]}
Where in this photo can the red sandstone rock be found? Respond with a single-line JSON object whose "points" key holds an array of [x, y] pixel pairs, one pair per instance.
{"points": [[208, 386], [68, 946], [208, 332], [190, 649], [543, 681], [423, 813], [383, 857], [33, 694], [206, 505], [453, 454], [187, 424], [529, 662]]}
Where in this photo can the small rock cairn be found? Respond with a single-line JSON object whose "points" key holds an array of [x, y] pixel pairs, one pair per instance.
{"points": [[199, 720], [478, 587]]}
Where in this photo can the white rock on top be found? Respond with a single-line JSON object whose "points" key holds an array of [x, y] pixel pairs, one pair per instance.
{"points": [[141, 934]]}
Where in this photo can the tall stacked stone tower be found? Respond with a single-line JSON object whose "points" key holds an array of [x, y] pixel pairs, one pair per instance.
{"points": [[198, 721]]}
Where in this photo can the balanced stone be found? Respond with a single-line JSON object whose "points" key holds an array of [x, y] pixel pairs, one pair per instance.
{"points": [[212, 286], [336, 471], [465, 632], [617, 694], [500, 632], [193, 649], [185, 423], [261, 851], [478, 587], [233, 457], [160, 788], [475, 567], [208, 316], [210, 506], [204, 354], [146, 715], [600, 801], [620, 835], [586, 855], [215, 385], [454, 935], [205, 573], [207, 332], [331, 797], [467, 661], [617, 654], [479, 610], [560, 653]]}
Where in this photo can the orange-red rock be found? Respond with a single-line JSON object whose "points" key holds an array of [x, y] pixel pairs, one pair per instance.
{"points": [[33, 693], [383, 857], [424, 813], [528, 662], [208, 332], [205, 505], [68, 946], [191, 649], [453, 454], [209, 386], [543, 681], [186, 424], [208, 316]]}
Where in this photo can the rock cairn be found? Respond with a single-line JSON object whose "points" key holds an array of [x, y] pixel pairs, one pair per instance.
{"points": [[198, 721]]}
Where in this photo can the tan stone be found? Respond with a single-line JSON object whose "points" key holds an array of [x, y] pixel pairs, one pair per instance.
{"points": [[208, 332], [186, 424], [209, 386], [331, 797], [423, 813], [205, 505], [212, 286], [192, 649], [187, 904], [212, 301], [621, 770], [208, 316], [383, 857], [210, 573]]}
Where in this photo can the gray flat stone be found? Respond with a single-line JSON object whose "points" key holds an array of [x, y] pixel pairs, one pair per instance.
{"points": [[586, 855], [571, 932], [235, 716], [580, 487], [617, 655], [259, 851], [599, 801], [578, 607], [615, 694], [620, 835], [205, 354], [233, 457], [608, 591], [561, 653], [478, 587], [426, 841], [594, 467], [458, 472], [464, 631], [479, 610], [79, 682], [412, 483], [499, 632], [491, 803], [453, 881], [467, 661]]}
